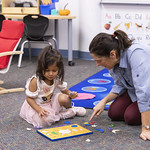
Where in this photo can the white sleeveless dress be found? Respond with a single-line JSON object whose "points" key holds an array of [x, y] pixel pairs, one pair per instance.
{"points": [[45, 98]]}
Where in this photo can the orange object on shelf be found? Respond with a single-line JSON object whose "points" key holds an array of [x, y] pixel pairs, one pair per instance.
{"points": [[64, 12]]}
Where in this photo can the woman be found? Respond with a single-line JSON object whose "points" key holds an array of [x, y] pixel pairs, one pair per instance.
{"points": [[129, 65]]}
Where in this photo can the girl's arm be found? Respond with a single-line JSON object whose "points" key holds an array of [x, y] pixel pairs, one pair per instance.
{"points": [[36, 107], [31, 101], [66, 91], [63, 88], [71, 94]]}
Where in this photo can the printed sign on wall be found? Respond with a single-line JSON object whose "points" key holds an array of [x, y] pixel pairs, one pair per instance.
{"points": [[135, 22]]}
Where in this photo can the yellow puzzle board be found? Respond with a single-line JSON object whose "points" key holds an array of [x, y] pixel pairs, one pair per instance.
{"points": [[64, 132]]}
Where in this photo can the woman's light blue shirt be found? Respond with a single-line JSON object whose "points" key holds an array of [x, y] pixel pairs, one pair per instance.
{"points": [[133, 74]]}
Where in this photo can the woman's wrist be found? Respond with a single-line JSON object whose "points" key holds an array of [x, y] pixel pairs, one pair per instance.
{"points": [[145, 119], [103, 102], [145, 127]]}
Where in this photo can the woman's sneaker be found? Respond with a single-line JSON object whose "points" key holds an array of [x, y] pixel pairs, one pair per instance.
{"points": [[80, 111]]}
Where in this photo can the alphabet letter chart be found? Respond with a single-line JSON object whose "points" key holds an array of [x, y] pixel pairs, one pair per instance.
{"points": [[132, 18]]}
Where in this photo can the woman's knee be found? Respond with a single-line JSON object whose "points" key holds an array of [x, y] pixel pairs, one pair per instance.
{"points": [[118, 107], [114, 114], [132, 115], [116, 111]]}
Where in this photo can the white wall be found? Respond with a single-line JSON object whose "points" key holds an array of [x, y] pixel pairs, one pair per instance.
{"points": [[73, 6], [85, 26], [89, 22]]}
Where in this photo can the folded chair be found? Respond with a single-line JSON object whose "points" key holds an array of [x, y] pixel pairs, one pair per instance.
{"points": [[10, 37], [35, 28]]}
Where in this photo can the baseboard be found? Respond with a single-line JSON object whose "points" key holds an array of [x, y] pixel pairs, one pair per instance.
{"points": [[76, 54]]}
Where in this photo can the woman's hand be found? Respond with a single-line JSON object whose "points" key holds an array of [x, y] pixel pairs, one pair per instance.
{"points": [[98, 109], [145, 135]]}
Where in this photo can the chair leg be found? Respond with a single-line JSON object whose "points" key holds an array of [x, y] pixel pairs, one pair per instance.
{"points": [[20, 57], [55, 41], [50, 43], [29, 46], [1, 82], [4, 91]]}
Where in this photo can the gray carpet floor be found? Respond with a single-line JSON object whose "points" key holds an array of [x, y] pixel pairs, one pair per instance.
{"points": [[13, 130]]}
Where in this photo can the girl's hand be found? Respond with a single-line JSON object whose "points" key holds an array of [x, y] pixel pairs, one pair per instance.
{"points": [[42, 112], [73, 94], [145, 135], [98, 109]]}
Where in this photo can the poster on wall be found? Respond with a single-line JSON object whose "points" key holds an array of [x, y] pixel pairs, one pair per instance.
{"points": [[135, 21]]}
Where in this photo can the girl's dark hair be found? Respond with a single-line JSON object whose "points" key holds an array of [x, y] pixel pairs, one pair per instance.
{"points": [[103, 43], [48, 57]]}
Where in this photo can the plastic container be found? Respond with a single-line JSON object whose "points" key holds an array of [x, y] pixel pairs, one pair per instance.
{"points": [[54, 12], [53, 1], [45, 9], [52, 6]]}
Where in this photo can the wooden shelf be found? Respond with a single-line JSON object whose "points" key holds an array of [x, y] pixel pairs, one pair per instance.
{"points": [[15, 16], [6, 9]]}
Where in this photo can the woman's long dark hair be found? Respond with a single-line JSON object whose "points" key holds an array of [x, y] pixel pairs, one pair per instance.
{"points": [[48, 57], [103, 43]]}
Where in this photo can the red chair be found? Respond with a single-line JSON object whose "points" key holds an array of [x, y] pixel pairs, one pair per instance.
{"points": [[10, 37]]}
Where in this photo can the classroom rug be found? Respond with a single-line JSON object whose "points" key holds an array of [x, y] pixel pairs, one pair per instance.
{"points": [[93, 89]]}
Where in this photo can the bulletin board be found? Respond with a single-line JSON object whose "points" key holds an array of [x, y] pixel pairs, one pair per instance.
{"points": [[132, 18]]}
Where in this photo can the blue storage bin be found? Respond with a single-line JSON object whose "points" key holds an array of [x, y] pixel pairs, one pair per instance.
{"points": [[52, 6], [45, 9], [53, 1]]}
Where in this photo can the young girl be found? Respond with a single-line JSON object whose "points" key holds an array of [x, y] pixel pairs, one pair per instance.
{"points": [[42, 106]]}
